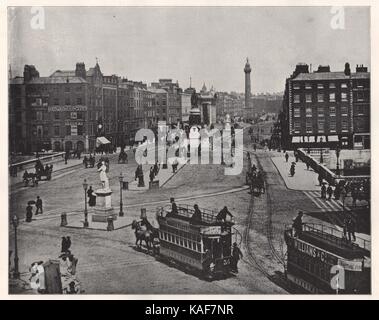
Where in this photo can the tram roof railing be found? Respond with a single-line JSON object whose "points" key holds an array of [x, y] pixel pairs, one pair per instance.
{"points": [[333, 235], [207, 215]]}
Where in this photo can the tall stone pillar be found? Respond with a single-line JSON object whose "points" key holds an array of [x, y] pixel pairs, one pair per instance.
{"points": [[247, 71]]}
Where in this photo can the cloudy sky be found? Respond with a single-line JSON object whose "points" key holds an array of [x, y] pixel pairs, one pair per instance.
{"points": [[209, 44]]}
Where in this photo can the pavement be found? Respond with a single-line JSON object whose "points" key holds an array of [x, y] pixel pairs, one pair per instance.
{"points": [[305, 180]]}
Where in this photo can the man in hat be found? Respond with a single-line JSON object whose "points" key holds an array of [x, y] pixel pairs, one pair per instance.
{"points": [[236, 256], [174, 208], [38, 205], [286, 156], [197, 216], [298, 224], [221, 216]]}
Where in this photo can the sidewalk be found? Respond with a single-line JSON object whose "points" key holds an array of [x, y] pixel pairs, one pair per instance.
{"points": [[57, 166], [304, 180]]}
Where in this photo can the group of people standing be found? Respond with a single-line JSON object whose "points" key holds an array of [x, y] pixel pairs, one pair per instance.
{"points": [[154, 171], [29, 209]]}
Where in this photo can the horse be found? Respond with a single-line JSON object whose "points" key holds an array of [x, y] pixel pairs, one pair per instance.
{"points": [[142, 235]]}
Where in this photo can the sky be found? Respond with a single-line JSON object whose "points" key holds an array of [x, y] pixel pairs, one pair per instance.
{"points": [[208, 44]]}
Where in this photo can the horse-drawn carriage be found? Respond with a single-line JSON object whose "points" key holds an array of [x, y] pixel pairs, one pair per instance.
{"points": [[44, 172], [203, 246], [255, 180]]}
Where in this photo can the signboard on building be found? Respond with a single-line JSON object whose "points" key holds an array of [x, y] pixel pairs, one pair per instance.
{"points": [[211, 231], [66, 108], [315, 252]]}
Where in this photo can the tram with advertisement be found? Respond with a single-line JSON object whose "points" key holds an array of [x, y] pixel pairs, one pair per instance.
{"points": [[203, 246], [321, 260]]}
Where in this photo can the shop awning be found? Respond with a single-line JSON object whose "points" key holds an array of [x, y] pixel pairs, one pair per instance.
{"points": [[101, 140], [296, 139], [333, 138]]}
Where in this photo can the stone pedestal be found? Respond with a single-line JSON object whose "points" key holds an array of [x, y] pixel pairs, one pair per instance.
{"points": [[103, 209]]}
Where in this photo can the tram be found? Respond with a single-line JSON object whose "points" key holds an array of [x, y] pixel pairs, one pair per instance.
{"points": [[204, 246], [320, 260]]}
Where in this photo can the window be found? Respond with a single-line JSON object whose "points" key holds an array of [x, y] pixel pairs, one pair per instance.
{"points": [[39, 115], [56, 101], [296, 112], [360, 110], [332, 111], [344, 125], [332, 97], [332, 125], [332, 85], [46, 131], [343, 85], [79, 101], [320, 86], [360, 96], [309, 125], [343, 110], [343, 96], [79, 115], [39, 131], [308, 86], [308, 112], [296, 126], [296, 86], [67, 101], [73, 115], [320, 97], [68, 130], [296, 98], [320, 125], [56, 115], [80, 130], [56, 131], [320, 112], [308, 98], [67, 89], [79, 88]]}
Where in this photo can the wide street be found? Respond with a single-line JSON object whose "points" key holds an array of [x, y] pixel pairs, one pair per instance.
{"points": [[109, 262]]}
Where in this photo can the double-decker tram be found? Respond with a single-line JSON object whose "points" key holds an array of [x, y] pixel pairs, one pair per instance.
{"points": [[203, 244], [321, 260]]}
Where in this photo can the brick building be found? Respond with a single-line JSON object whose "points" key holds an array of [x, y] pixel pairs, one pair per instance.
{"points": [[327, 109]]}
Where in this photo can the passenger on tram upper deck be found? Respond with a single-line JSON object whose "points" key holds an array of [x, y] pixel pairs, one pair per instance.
{"points": [[221, 216], [174, 208], [196, 217]]}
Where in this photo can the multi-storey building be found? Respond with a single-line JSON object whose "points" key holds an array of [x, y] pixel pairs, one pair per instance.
{"points": [[69, 109], [325, 108]]}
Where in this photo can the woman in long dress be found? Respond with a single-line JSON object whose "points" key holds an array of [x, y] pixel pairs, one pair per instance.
{"points": [[103, 175]]}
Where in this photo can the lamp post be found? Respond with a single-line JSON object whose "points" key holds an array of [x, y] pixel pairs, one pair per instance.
{"points": [[121, 178], [321, 156], [16, 273], [338, 150], [85, 186]]}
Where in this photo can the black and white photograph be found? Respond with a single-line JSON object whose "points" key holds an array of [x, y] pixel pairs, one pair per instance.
{"points": [[188, 150]]}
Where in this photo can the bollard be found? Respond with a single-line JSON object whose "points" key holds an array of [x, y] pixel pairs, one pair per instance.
{"points": [[63, 219], [110, 226], [143, 213]]}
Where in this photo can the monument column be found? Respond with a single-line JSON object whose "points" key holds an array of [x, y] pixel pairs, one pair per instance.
{"points": [[247, 71]]}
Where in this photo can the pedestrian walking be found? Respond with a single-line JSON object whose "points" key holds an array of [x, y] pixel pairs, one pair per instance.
{"points": [[151, 174], [350, 228], [255, 147], [307, 164], [39, 205], [323, 191], [286, 156], [29, 213], [292, 169], [320, 179], [236, 256], [156, 168], [329, 191]]}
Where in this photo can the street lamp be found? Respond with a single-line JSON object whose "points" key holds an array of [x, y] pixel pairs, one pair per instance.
{"points": [[16, 273], [85, 186], [321, 157], [121, 178], [338, 150]]}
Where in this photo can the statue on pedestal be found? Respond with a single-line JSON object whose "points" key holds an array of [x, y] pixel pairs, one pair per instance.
{"points": [[103, 176]]}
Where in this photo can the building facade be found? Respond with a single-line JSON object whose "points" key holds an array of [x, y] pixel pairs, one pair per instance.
{"points": [[325, 108]]}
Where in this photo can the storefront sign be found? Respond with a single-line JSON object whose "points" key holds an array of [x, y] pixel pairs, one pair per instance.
{"points": [[210, 231], [315, 252], [66, 108]]}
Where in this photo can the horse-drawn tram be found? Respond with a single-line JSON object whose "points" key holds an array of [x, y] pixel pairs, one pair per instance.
{"points": [[321, 260], [200, 242]]}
